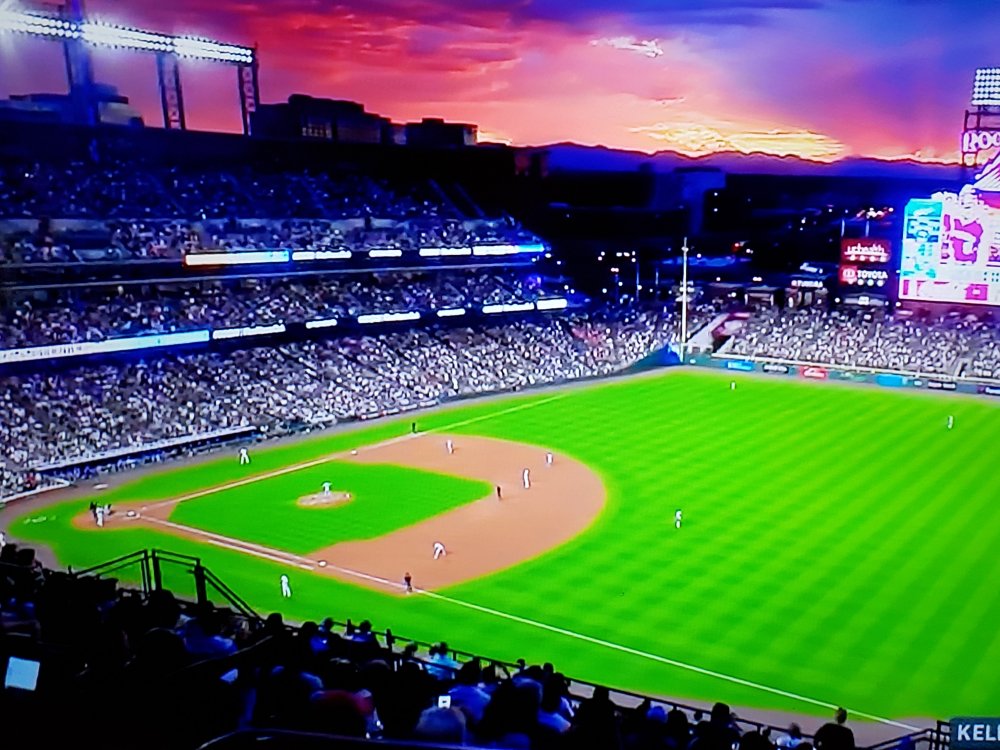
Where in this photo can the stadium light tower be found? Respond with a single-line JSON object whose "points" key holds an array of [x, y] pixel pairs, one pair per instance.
{"points": [[981, 131], [77, 32], [684, 301]]}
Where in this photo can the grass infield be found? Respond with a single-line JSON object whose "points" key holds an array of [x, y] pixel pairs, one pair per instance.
{"points": [[839, 543]]}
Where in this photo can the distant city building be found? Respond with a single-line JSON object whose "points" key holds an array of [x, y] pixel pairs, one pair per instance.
{"points": [[340, 121], [322, 119], [111, 107], [436, 133]]}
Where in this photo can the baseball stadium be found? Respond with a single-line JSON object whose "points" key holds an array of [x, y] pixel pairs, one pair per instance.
{"points": [[344, 432]]}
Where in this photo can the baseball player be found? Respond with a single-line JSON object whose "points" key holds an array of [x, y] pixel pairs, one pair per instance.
{"points": [[408, 583], [439, 550], [244, 456], [449, 446], [286, 589], [326, 488], [677, 519], [951, 421], [99, 515], [3, 540], [499, 494], [732, 385], [548, 458], [526, 478]]}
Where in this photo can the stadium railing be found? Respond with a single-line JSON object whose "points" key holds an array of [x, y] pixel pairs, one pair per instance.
{"points": [[150, 568]]}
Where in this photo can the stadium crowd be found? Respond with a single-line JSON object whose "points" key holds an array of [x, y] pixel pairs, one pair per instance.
{"points": [[179, 674], [100, 313], [870, 339], [82, 211], [85, 412]]}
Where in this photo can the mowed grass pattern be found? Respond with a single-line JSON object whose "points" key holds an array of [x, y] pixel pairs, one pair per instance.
{"points": [[839, 543]]}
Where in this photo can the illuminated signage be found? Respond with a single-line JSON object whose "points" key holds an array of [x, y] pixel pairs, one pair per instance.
{"points": [[951, 248], [321, 255], [83, 348], [236, 258], [865, 250], [238, 333], [808, 283], [857, 276], [388, 317], [454, 312], [326, 323], [974, 141], [551, 304], [518, 307], [441, 252]]}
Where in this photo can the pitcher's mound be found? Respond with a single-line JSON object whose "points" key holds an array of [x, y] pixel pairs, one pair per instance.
{"points": [[324, 500]]}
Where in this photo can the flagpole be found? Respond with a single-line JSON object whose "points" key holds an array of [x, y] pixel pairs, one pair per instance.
{"points": [[684, 303]]}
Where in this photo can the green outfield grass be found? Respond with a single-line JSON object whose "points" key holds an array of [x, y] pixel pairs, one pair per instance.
{"points": [[839, 543]]}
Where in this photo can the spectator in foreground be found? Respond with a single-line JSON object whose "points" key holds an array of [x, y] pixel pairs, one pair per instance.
{"points": [[835, 735]]}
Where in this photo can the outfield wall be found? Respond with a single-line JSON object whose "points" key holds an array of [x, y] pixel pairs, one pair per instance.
{"points": [[813, 371]]}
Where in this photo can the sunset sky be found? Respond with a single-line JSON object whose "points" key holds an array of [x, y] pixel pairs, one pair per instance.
{"points": [[816, 78]]}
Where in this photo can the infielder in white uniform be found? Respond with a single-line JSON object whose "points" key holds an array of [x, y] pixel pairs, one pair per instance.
{"points": [[326, 488], [99, 515], [286, 589], [548, 458], [526, 479], [244, 456], [439, 550], [449, 446]]}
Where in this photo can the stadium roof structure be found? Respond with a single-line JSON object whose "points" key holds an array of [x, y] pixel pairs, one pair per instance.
{"points": [[77, 32]]}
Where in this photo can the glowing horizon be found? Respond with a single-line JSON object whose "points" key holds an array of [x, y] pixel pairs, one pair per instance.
{"points": [[814, 79]]}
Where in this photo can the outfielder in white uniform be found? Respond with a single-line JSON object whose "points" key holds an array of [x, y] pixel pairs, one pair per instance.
{"points": [[526, 479], [677, 519], [286, 589], [244, 456], [439, 550], [951, 422]]}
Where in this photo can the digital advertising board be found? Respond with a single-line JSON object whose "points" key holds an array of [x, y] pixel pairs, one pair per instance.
{"points": [[951, 249]]}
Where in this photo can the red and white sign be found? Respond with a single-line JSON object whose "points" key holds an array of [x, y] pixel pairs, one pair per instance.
{"points": [[859, 276], [866, 250], [816, 373], [974, 141]]}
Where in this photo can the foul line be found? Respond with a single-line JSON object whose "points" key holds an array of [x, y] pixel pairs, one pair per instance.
{"points": [[341, 454], [660, 659], [308, 564], [311, 565]]}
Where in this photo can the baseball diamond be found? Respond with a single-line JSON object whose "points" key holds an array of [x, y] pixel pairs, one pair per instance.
{"points": [[822, 554]]}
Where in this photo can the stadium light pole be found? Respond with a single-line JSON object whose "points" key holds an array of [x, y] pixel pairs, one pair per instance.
{"points": [[684, 301], [78, 32]]}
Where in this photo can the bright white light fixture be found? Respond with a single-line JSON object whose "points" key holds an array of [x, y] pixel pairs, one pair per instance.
{"points": [[101, 33], [986, 89]]}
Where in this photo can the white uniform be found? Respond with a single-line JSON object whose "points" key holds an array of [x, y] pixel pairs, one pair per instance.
{"points": [[3, 540], [677, 520], [439, 550], [951, 422], [450, 446], [326, 488], [244, 456], [99, 515], [732, 385], [526, 479], [548, 458], [286, 589]]}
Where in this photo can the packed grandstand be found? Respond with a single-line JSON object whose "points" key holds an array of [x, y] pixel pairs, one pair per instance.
{"points": [[63, 417]]}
